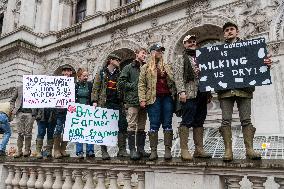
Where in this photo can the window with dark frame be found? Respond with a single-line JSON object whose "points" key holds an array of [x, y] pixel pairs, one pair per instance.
{"points": [[1, 22], [123, 2], [81, 10]]}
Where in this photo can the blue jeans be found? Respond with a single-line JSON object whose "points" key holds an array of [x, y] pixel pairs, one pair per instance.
{"points": [[45, 127], [79, 148], [161, 112], [5, 126], [60, 122], [194, 111]]}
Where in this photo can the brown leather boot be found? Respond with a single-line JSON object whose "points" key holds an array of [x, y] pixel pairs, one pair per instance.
{"points": [[20, 144], [226, 133], [198, 141], [140, 143], [63, 148], [105, 154], [49, 147], [28, 143], [39, 144], [168, 142], [183, 135], [57, 147], [121, 142], [248, 133], [153, 136]]}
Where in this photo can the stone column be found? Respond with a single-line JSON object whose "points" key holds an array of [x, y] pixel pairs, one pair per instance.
{"points": [[65, 14], [9, 17], [90, 181], [113, 180], [127, 180], [141, 180], [45, 16], [78, 180], [9, 179], [279, 181], [24, 179], [68, 180], [100, 5], [257, 182], [40, 179], [114, 4], [234, 181], [54, 15], [32, 179], [27, 13], [90, 7], [101, 180]]}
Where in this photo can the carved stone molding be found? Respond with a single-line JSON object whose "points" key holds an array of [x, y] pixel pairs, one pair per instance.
{"points": [[255, 18], [197, 6], [274, 48], [3, 5], [154, 22], [119, 33], [7, 93]]}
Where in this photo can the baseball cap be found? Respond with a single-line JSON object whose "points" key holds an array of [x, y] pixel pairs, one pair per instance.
{"points": [[114, 56], [186, 38], [156, 47]]}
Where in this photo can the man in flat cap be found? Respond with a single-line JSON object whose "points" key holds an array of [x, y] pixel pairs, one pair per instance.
{"points": [[106, 94], [193, 102]]}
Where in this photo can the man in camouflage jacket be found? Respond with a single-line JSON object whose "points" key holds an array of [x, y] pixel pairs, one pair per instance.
{"points": [[106, 94], [193, 102]]}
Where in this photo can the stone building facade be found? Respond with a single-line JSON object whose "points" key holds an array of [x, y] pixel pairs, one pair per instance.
{"points": [[39, 36]]}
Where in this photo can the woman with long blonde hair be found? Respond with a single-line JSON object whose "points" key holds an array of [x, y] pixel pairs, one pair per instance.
{"points": [[156, 91]]}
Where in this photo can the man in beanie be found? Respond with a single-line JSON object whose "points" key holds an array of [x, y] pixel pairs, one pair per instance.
{"points": [[193, 102], [243, 98], [106, 94]]}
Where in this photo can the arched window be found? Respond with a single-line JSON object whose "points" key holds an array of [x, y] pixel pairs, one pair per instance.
{"points": [[81, 10]]}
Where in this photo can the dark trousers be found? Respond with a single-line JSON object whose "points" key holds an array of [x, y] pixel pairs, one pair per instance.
{"points": [[45, 127], [244, 107], [122, 122], [194, 111]]}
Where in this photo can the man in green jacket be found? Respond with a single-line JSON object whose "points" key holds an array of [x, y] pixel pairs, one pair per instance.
{"points": [[136, 115], [243, 98]]}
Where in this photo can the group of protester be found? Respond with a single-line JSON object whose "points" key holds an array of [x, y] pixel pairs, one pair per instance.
{"points": [[154, 88]]}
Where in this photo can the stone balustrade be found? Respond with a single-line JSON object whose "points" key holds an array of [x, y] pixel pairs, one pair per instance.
{"points": [[123, 11], [72, 173]]}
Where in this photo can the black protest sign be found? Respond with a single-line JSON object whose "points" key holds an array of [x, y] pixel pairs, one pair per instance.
{"points": [[231, 66]]}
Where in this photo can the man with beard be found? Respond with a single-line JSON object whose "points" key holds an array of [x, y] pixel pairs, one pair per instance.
{"points": [[136, 116], [193, 102]]}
